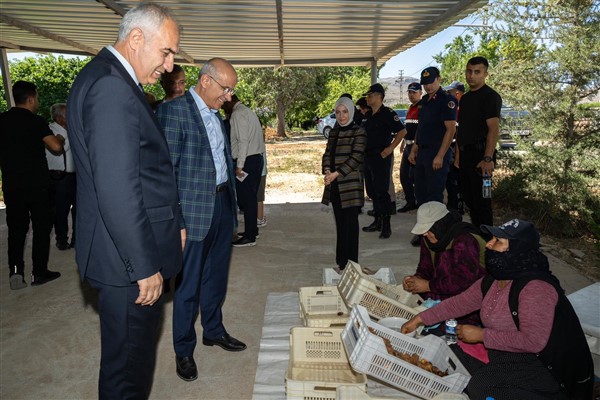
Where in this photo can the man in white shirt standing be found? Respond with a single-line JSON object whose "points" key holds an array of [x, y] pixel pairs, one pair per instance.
{"points": [[247, 148], [62, 179]]}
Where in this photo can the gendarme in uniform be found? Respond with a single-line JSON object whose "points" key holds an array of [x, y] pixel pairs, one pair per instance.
{"points": [[434, 111], [380, 127]]}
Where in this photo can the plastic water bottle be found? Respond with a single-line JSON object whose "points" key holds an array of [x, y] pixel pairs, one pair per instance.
{"points": [[486, 187], [450, 336]]}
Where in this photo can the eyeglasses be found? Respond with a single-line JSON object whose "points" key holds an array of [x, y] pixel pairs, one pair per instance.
{"points": [[226, 90]]}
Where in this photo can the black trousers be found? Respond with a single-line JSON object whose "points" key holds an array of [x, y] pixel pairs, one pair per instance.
{"points": [[23, 207], [470, 183], [407, 176], [509, 376], [346, 225], [246, 193], [377, 170], [129, 335], [64, 191]]}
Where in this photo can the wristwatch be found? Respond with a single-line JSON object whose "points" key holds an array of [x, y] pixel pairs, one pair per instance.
{"points": [[487, 159]]}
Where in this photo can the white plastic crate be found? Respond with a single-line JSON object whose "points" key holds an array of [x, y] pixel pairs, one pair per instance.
{"points": [[384, 274], [318, 365], [351, 393], [381, 300], [322, 307], [368, 354]]}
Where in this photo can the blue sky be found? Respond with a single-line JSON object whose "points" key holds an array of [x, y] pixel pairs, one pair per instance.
{"points": [[419, 57]]}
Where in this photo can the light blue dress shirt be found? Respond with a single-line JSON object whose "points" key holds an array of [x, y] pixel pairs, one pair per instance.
{"points": [[212, 123]]}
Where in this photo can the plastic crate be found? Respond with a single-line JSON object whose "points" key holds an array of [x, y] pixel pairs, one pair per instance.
{"points": [[384, 274], [318, 365], [322, 307], [351, 393], [367, 354], [381, 300]]}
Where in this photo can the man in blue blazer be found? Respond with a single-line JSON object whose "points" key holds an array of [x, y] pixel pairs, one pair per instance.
{"points": [[129, 225], [204, 169]]}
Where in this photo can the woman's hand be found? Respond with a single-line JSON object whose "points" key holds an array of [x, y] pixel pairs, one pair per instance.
{"points": [[469, 333], [330, 177], [412, 325], [414, 284]]}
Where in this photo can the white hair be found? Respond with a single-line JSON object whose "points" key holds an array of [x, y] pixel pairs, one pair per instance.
{"points": [[148, 17], [58, 110]]}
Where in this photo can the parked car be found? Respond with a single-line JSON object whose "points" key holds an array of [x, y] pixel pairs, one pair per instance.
{"points": [[325, 124], [506, 142], [513, 124], [401, 113]]}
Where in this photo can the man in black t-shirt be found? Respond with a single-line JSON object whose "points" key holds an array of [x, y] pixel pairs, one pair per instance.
{"points": [[479, 127], [26, 184]]}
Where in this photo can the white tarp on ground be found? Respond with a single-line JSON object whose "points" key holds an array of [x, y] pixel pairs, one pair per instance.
{"points": [[586, 303]]}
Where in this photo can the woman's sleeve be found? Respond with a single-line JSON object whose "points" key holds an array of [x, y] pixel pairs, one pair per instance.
{"points": [[458, 267], [537, 302], [425, 266], [455, 307]]}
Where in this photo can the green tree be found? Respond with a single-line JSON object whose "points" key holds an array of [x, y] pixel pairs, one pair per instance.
{"points": [[52, 75], [340, 80], [454, 57], [276, 91]]}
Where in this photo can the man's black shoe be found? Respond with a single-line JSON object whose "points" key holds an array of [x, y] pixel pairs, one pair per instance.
{"points": [[240, 234], [186, 368], [226, 342], [44, 277], [17, 282], [62, 245], [407, 207], [244, 242], [416, 241]]}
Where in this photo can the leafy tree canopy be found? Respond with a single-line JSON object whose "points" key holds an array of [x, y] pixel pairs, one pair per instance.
{"points": [[52, 75]]}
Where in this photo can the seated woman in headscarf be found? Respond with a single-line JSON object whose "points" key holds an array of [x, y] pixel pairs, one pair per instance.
{"points": [[452, 255], [535, 346], [342, 164]]}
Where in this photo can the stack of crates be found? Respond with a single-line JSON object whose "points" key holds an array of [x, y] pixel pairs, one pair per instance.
{"points": [[318, 361], [341, 343], [319, 365]]}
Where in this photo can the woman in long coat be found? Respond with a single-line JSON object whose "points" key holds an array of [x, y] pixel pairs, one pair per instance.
{"points": [[342, 166]]}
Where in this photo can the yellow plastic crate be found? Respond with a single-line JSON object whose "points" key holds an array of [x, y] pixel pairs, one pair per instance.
{"points": [[318, 365], [380, 300], [322, 307]]}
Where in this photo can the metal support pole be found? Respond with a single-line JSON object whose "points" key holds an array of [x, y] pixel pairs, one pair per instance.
{"points": [[6, 81], [373, 72]]}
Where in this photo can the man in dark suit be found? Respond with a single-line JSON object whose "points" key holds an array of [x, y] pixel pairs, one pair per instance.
{"points": [[129, 225], [204, 169]]}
